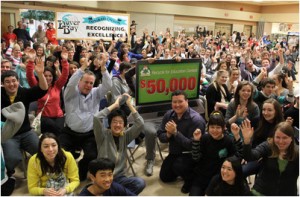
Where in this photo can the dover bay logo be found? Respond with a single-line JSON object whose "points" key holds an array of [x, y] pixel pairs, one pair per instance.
{"points": [[68, 23], [91, 20]]}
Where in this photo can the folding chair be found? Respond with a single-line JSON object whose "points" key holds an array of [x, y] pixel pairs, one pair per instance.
{"points": [[132, 148], [129, 155]]}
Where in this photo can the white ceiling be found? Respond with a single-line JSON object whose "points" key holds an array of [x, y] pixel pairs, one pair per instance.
{"points": [[268, 2], [254, 2]]}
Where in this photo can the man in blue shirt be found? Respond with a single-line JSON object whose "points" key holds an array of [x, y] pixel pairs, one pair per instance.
{"points": [[81, 103]]}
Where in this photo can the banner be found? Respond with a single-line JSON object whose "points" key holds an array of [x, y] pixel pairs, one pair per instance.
{"points": [[87, 26]]}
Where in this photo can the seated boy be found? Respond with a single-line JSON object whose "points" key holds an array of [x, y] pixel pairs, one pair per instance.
{"points": [[101, 173], [112, 142]]}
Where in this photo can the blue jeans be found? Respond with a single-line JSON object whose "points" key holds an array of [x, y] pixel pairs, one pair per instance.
{"points": [[134, 184], [27, 141]]}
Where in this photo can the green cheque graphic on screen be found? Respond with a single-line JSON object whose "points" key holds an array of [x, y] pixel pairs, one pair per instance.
{"points": [[156, 82]]}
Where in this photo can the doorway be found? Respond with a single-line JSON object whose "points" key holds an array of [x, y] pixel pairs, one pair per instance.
{"points": [[223, 28], [6, 20], [247, 30]]}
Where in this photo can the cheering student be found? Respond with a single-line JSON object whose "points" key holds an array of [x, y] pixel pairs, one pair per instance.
{"points": [[210, 150], [279, 171], [112, 142]]}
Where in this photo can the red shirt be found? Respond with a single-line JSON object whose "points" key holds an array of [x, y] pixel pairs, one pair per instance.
{"points": [[50, 34], [7, 36]]}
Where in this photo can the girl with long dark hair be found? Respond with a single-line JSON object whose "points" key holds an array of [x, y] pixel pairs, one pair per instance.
{"points": [[52, 118], [230, 181], [242, 106], [52, 171]]}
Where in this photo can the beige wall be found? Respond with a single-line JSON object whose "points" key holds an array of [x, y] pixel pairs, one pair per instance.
{"points": [[238, 27], [176, 15], [268, 28], [281, 18], [152, 22]]}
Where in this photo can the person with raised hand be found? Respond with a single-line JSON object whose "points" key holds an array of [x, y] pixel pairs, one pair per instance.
{"points": [[82, 101], [25, 138], [112, 142], [267, 90], [210, 150], [279, 170], [52, 118]]}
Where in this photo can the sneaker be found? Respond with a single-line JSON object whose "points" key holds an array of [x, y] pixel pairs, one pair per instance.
{"points": [[149, 168]]}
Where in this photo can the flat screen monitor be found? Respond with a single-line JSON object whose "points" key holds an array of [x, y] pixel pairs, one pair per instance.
{"points": [[156, 81]]}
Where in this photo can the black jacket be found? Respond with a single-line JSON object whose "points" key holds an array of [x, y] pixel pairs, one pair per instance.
{"points": [[269, 181]]}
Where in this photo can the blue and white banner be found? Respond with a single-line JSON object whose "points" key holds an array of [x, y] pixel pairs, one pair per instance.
{"points": [[86, 26]]}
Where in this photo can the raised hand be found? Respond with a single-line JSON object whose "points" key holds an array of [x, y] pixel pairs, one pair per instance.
{"points": [[289, 82], [11, 42], [247, 131], [235, 129], [31, 54], [64, 55], [96, 62], [56, 64], [102, 62], [128, 101], [117, 102], [197, 134], [39, 66], [289, 120], [84, 62], [264, 71]]}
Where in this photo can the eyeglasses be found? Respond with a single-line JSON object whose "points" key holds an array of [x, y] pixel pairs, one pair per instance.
{"points": [[117, 122]]}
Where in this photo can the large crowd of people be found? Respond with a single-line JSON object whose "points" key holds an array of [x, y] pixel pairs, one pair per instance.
{"points": [[83, 90]]}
